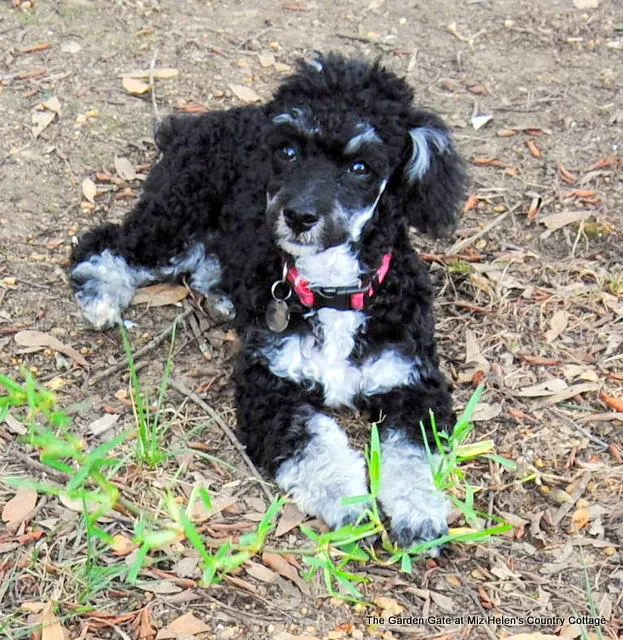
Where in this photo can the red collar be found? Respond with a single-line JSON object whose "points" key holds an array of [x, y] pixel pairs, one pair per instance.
{"points": [[352, 297]]}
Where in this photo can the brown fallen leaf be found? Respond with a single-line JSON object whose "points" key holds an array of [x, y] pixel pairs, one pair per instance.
{"points": [[471, 203], [533, 148], [266, 59], [489, 162], [558, 324], [31, 338], [579, 193], [142, 625], [186, 625], [161, 73], [19, 507], [389, 605], [159, 295], [121, 545], [41, 46], [51, 628], [605, 162], [260, 572], [565, 175], [555, 221], [246, 94], [506, 133], [615, 403], [89, 190], [33, 606], [579, 519], [291, 517], [125, 169], [536, 635], [41, 120], [191, 108], [135, 86], [533, 210], [279, 564], [52, 104], [572, 391]]}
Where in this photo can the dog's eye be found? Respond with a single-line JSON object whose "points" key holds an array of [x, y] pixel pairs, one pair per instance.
{"points": [[359, 168], [287, 152]]}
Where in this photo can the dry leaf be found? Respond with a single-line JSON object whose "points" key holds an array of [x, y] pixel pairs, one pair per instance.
{"points": [[77, 504], [533, 148], [291, 517], [558, 324], [443, 602], [279, 564], [19, 507], [485, 411], [391, 606], [53, 104], [135, 86], [159, 295], [162, 73], [159, 586], [186, 625], [125, 169], [33, 606], [579, 520], [547, 388], [266, 59], [31, 338], [121, 545], [260, 572], [246, 94], [555, 221], [41, 120], [614, 403], [99, 426], [51, 628], [586, 4], [575, 390], [89, 190]]}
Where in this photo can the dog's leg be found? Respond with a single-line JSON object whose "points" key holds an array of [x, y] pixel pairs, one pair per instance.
{"points": [[304, 449], [103, 279], [324, 471], [417, 509], [408, 495]]}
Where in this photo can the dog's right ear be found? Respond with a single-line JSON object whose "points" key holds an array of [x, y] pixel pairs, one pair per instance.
{"points": [[433, 176]]}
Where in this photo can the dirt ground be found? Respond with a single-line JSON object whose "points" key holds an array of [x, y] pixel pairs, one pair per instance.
{"points": [[530, 299]]}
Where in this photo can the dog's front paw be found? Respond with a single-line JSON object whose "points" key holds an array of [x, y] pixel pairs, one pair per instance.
{"points": [[220, 307], [420, 518]]}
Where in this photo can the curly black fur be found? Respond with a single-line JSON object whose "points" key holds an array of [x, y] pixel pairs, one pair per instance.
{"points": [[205, 204]]}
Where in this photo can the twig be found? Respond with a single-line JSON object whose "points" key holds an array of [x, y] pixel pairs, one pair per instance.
{"points": [[459, 246], [488, 630], [152, 344], [152, 84], [185, 391]]}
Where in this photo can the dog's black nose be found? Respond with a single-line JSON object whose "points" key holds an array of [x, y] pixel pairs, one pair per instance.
{"points": [[300, 221]]}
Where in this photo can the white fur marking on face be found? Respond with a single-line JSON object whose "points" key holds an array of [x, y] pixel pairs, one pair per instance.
{"points": [[324, 472], [367, 136], [359, 220], [422, 138], [106, 286], [408, 495]]}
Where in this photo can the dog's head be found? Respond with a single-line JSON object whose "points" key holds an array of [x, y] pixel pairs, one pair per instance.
{"points": [[347, 147]]}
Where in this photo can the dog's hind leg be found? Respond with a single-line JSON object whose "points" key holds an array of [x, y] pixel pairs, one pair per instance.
{"points": [[304, 449]]}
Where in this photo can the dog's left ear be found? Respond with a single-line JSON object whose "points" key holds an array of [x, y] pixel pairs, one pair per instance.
{"points": [[433, 176]]}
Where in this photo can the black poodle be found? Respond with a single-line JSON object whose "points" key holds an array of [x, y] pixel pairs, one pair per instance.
{"points": [[292, 219]]}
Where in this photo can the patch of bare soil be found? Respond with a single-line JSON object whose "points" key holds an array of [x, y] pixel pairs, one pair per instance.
{"points": [[530, 300]]}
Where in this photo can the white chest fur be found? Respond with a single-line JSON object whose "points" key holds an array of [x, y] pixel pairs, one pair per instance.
{"points": [[325, 359]]}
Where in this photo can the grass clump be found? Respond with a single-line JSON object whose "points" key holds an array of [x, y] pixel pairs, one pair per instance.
{"points": [[91, 477]]}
